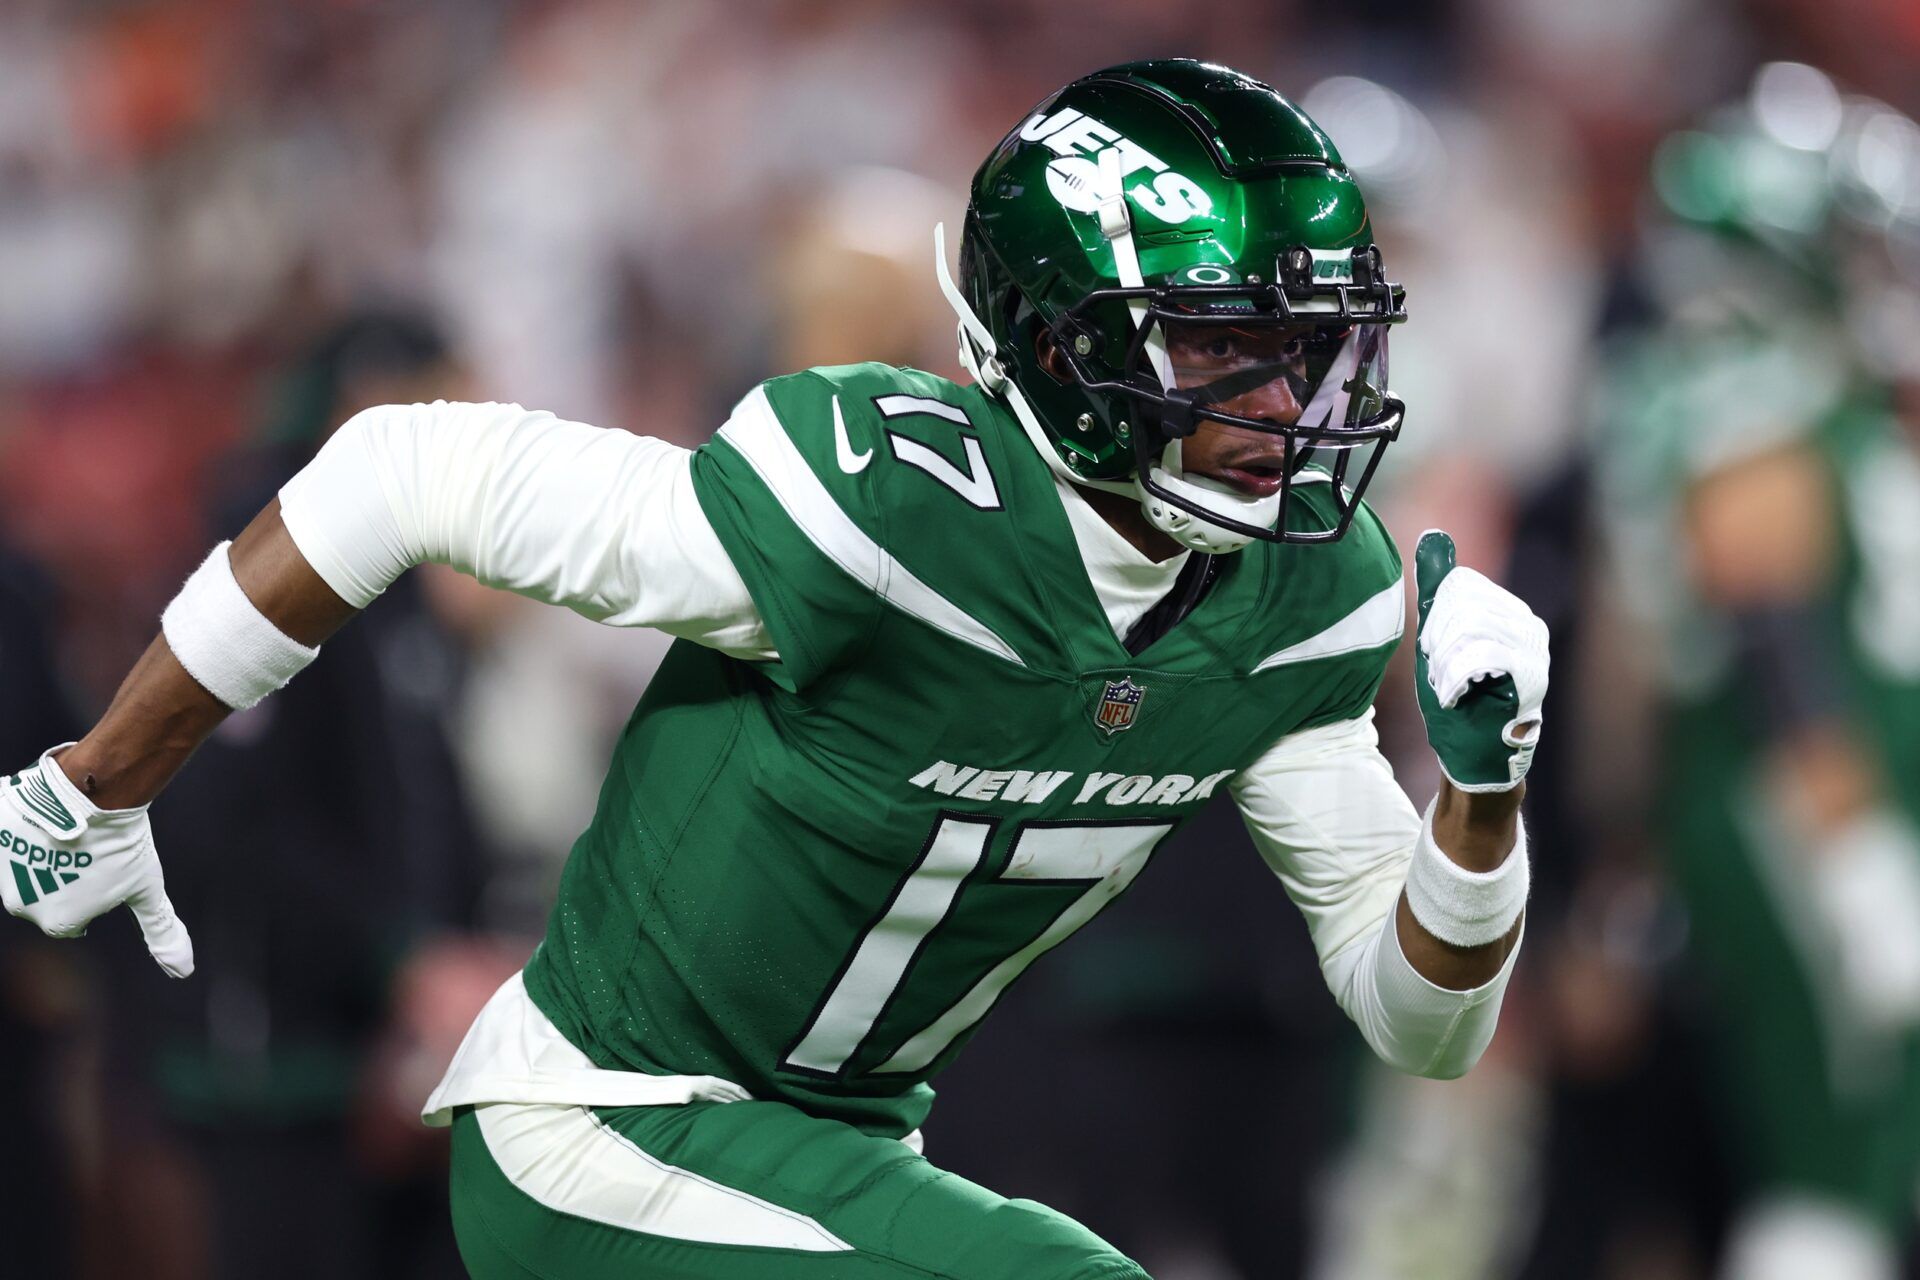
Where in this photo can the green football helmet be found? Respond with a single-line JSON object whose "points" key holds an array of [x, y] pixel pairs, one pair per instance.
{"points": [[1188, 246], [1796, 206]]}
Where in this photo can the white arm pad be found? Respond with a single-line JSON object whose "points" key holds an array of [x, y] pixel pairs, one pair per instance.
{"points": [[1412, 1024], [1325, 812], [225, 643]]}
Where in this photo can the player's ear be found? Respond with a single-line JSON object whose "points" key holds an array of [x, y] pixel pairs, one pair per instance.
{"points": [[1050, 356]]}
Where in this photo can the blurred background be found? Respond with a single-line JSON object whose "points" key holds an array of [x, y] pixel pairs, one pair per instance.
{"points": [[1663, 376]]}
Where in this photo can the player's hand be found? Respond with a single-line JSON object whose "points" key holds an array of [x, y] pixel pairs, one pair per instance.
{"points": [[1480, 671], [69, 862]]}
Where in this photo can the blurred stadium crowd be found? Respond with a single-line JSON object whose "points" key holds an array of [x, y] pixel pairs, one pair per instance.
{"points": [[1663, 382]]}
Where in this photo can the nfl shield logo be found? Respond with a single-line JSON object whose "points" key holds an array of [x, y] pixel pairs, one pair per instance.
{"points": [[1119, 705]]}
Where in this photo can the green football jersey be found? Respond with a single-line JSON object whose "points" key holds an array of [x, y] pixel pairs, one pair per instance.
{"points": [[1819, 1101], [815, 876], [1688, 403]]}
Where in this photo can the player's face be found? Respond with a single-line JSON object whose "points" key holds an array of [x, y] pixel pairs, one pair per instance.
{"points": [[1271, 373], [1263, 373]]}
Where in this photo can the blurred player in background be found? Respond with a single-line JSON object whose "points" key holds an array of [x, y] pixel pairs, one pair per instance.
{"points": [[41, 996], [1760, 457]]}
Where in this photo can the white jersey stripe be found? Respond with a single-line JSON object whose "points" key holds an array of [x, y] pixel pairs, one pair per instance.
{"points": [[755, 431], [1378, 621], [570, 1161]]}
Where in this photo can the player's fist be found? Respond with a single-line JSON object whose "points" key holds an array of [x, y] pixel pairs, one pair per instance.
{"points": [[69, 862], [1480, 671]]}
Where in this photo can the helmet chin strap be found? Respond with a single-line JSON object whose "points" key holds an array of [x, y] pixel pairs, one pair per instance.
{"points": [[1197, 532], [976, 346], [1117, 226], [1189, 530]]}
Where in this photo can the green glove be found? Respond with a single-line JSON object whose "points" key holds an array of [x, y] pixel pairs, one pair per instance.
{"points": [[1480, 671]]}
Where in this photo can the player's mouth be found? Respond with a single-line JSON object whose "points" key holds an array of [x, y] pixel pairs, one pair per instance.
{"points": [[1253, 477]]}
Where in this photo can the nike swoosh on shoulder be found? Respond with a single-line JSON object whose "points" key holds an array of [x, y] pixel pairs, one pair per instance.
{"points": [[850, 462]]}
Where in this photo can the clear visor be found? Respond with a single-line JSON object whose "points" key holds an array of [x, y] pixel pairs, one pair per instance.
{"points": [[1320, 381]]}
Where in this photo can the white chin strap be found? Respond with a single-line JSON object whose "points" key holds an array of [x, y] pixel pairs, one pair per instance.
{"points": [[976, 346], [1196, 532], [1190, 531]]}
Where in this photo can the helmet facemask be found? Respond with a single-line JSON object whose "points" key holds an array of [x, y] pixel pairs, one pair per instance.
{"points": [[1293, 371]]}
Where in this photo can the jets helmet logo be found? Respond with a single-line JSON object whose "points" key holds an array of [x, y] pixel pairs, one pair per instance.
{"points": [[1093, 163], [1119, 705]]}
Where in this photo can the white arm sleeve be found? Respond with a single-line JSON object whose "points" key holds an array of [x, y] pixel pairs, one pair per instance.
{"points": [[603, 522], [1328, 817]]}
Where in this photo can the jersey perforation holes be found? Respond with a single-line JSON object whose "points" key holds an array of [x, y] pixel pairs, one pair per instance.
{"points": [[847, 1013], [1119, 864], [883, 958]]}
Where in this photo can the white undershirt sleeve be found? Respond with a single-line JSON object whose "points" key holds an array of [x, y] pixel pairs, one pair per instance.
{"points": [[604, 522], [1327, 815]]}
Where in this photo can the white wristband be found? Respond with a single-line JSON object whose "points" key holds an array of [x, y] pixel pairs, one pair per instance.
{"points": [[226, 644], [1461, 907]]}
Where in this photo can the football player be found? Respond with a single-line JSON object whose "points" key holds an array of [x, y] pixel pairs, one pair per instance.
{"points": [[954, 661], [1767, 424]]}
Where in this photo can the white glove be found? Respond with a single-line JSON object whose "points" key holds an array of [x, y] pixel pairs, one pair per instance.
{"points": [[1480, 671], [69, 861]]}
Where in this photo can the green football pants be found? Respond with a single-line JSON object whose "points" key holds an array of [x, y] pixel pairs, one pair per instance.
{"points": [[737, 1191]]}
